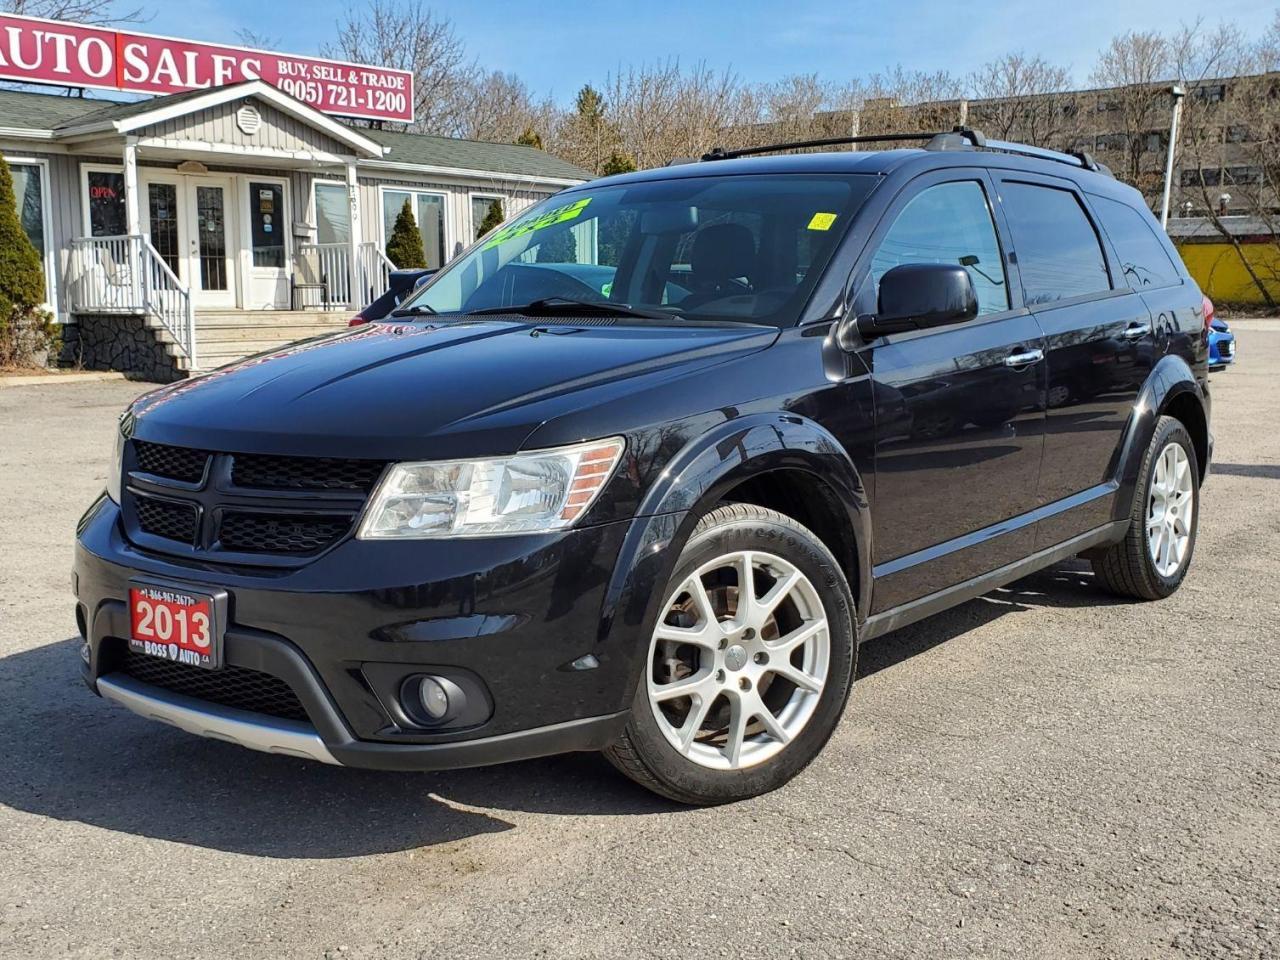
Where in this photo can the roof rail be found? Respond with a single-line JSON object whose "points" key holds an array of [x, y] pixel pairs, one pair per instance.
{"points": [[1077, 158], [961, 134], [958, 138]]}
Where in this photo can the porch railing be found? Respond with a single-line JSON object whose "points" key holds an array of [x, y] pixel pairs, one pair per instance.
{"points": [[375, 271], [327, 265], [126, 274]]}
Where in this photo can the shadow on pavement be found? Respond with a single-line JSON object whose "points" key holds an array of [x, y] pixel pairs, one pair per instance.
{"points": [[1261, 471], [68, 755]]}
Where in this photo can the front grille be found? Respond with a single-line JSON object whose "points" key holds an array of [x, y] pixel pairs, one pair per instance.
{"points": [[304, 473], [273, 533], [230, 686], [167, 518], [264, 511], [174, 463]]}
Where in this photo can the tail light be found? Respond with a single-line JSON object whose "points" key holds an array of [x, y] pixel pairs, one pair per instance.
{"points": [[1209, 315]]}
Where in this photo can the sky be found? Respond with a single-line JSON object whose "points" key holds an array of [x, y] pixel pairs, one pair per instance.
{"points": [[558, 45]]}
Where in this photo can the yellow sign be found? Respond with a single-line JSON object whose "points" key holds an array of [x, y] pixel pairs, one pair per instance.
{"points": [[822, 221], [569, 211]]}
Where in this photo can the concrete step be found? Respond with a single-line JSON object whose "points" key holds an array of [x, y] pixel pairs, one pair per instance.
{"points": [[223, 318], [239, 348], [282, 333]]}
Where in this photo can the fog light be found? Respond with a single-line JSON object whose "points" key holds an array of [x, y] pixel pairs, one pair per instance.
{"points": [[434, 697], [431, 700]]}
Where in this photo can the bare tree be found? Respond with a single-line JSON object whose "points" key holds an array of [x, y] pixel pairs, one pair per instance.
{"points": [[499, 107], [1230, 135], [1024, 98], [406, 35], [97, 12], [661, 111], [1135, 69], [262, 41]]}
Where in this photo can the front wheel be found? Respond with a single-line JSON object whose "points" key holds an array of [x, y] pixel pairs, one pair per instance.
{"points": [[1152, 560], [749, 664]]}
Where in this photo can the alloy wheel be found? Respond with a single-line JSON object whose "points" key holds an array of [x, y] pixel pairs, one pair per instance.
{"points": [[1170, 510], [738, 660]]}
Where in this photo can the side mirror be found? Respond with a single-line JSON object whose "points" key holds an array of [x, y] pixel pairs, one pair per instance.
{"points": [[915, 296]]}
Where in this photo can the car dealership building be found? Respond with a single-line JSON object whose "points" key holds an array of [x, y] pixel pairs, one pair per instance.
{"points": [[183, 230]]}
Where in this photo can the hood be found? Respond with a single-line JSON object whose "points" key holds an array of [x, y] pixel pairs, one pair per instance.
{"points": [[430, 391]]}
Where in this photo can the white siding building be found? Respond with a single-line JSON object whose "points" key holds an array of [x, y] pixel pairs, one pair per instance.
{"points": [[174, 226]]}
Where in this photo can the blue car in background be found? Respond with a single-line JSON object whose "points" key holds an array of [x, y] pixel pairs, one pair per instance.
{"points": [[1222, 342]]}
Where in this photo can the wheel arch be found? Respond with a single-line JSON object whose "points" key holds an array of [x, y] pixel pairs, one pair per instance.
{"points": [[1170, 389], [774, 457]]}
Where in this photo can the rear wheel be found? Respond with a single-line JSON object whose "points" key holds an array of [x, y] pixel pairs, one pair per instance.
{"points": [[1153, 558], [749, 665]]}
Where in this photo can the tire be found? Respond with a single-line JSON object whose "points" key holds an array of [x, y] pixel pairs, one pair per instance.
{"points": [[797, 663], [1131, 568]]}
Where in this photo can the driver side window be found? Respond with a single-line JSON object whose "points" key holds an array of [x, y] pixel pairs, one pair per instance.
{"points": [[948, 223]]}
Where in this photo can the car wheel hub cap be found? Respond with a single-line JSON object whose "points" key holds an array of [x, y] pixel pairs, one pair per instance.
{"points": [[1170, 510], [738, 660]]}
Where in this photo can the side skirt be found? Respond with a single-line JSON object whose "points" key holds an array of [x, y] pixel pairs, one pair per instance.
{"points": [[900, 616]]}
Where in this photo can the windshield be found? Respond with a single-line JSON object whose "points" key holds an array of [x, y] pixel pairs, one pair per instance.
{"points": [[727, 248]]}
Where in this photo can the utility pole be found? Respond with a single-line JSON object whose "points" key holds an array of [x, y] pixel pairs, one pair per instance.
{"points": [[1177, 93]]}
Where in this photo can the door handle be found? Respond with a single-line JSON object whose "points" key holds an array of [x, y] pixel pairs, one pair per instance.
{"points": [[1136, 331], [1024, 359]]}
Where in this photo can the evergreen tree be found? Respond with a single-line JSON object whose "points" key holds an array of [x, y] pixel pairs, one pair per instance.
{"points": [[492, 218], [618, 162], [530, 138], [404, 247], [25, 327]]}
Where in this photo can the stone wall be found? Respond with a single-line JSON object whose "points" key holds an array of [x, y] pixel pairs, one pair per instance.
{"points": [[123, 343]]}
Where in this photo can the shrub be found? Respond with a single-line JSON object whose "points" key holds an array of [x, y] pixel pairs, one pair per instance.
{"points": [[27, 331], [404, 246], [492, 218], [618, 163]]}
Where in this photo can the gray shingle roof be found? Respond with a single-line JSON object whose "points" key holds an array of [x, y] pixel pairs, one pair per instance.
{"points": [[473, 155], [24, 110]]}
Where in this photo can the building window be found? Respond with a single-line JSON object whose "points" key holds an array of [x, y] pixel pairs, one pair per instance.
{"points": [[162, 213], [28, 190], [1237, 133], [266, 224], [1197, 178], [1211, 92], [1243, 175], [428, 211], [333, 213], [106, 204], [486, 212]]}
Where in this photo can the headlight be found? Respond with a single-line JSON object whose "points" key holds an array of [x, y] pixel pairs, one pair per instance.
{"points": [[115, 472], [528, 493]]}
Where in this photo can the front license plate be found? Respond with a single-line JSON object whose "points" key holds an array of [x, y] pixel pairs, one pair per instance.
{"points": [[174, 624]]}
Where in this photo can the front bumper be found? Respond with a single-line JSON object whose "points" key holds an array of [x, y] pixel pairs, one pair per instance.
{"points": [[542, 624]]}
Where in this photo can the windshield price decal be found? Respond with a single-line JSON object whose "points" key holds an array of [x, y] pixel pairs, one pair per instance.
{"points": [[559, 215]]}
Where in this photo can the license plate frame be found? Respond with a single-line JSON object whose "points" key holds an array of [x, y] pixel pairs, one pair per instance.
{"points": [[175, 638]]}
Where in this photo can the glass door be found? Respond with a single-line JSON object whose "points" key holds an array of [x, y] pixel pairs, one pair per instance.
{"points": [[163, 225], [210, 254]]}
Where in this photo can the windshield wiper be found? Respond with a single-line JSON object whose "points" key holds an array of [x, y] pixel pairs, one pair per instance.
{"points": [[417, 310], [567, 306]]}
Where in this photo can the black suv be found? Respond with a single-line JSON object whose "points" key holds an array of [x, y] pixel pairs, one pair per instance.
{"points": [[641, 469]]}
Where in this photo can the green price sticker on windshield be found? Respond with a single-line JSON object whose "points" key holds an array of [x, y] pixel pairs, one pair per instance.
{"points": [[561, 214]]}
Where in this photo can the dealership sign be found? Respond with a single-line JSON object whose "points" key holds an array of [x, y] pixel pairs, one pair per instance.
{"points": [[72, 55]]}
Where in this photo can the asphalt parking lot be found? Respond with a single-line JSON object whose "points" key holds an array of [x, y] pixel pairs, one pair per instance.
{"points": [[1041, 773]]}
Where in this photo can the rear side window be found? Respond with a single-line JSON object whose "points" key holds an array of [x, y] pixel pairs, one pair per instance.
{"points": [[948, 223], [1143, 258], [1058, 251]]}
